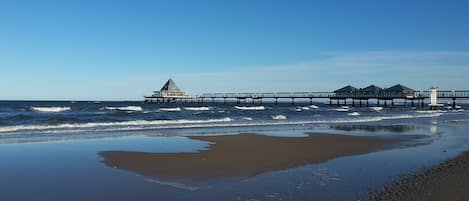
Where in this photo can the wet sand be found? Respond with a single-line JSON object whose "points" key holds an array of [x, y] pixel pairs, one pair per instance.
{"points": [[447, 181], [244, 155]]}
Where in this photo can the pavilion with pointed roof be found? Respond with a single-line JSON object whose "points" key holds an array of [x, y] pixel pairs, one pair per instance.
{"points": [[170, 92]]}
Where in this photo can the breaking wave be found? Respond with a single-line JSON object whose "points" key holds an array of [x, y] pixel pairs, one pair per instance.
{"points": [[197, 108], [176, 109], [353, 114], [250, 108], [50, 109], [126, 108], [279, 117], [97, 125]]}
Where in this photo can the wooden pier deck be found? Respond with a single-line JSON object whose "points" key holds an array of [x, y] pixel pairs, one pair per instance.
{"points": [[416, 99]]}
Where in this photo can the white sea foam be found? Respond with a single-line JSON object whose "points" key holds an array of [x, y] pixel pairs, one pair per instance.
{"points": [[250, 108], [377, 109], [50, 109], [247, 118], [341, 110], [126, 108], [108, 124], [353, 114], [313, 107], [429, 111], [197, 108], [279, 117], [175, 109]]}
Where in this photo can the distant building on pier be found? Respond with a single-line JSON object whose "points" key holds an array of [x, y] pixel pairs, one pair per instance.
{"points": [[170, 92], [368, 91], [396, 91], [399, 90], [345, 91]]}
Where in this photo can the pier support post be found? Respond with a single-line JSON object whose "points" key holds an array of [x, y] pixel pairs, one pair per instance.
{"points": [[330, 102], [367, 102], [385, 103], [377, 102], [454, 103], [337, 102], [392, 102], [310, 101], [413, 104], [353, 102], [360, 102], [276, 101], [345, 101], [292, 101]]}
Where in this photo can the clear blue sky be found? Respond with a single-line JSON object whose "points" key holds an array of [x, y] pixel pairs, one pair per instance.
{"points": [[111, 49]]}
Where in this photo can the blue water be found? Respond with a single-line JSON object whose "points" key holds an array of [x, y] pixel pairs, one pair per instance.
{"points": [[36, 118], [49, 150]]}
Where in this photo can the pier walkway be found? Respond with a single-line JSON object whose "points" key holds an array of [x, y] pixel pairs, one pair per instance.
{"points": [[170, 93]]}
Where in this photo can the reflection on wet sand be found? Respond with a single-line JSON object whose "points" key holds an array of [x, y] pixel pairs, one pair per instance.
{"points": [[243, 155], [399, 128]]}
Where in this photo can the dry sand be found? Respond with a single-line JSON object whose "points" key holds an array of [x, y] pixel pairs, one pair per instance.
{"points": [[243, 155], [447, 181]]}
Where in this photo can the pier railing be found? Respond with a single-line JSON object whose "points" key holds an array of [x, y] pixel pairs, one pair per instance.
{"points": [[332, 95], [270, 95]]}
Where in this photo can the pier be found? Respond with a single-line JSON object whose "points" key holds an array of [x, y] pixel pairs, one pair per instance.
{"points": [[347, 95]]}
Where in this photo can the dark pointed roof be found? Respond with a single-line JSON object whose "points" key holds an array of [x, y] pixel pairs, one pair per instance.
{"points": [[347, 89], [372, 88], [399, 87], [170, 86]]}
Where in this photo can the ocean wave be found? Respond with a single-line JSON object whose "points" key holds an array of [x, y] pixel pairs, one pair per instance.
{"points": [[430, 111], [50, 109], [182, 124], [276, 123], [353, 114], [125, 108], [279, 117], [250, 107], [7, 129], [176, 109], [197, 108]]}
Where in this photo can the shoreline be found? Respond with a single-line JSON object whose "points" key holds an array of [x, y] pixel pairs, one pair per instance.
{"points": [[244, 155], [448, 180]]}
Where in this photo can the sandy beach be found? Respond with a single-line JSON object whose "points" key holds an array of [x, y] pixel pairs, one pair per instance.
{"points": [[243, 155], [447, 181]]}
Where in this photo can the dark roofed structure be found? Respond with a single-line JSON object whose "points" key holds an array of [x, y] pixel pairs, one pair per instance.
{"points": [[371, 90], [399, 90], [170, 86], [345, 91]]}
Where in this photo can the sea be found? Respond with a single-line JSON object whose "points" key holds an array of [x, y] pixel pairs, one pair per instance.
{"points": [[48, 149]]}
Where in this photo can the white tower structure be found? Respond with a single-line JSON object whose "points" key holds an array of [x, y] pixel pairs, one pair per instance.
{"points": [[434, 99]]}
